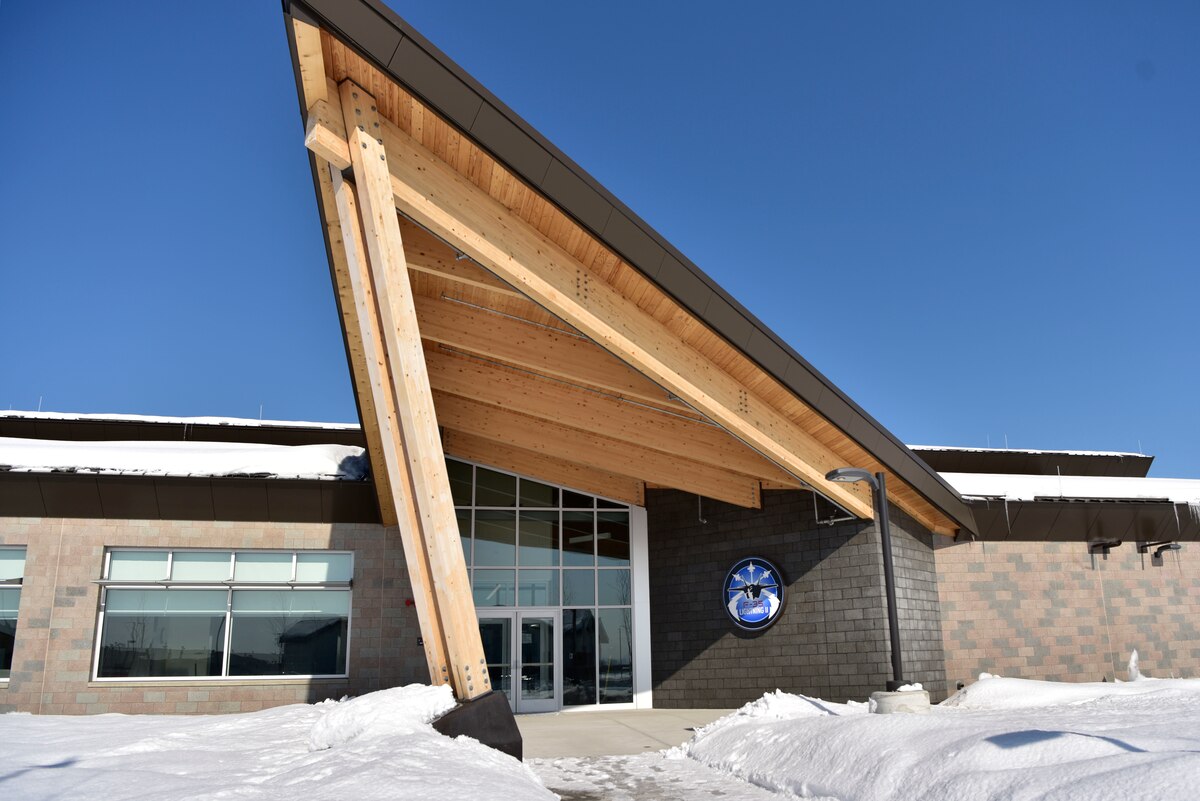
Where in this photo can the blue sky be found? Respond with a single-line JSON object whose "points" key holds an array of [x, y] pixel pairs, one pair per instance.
{"points": [[980, 220]]}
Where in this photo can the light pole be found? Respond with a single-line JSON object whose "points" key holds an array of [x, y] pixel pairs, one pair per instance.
{"points": [[850, 475]]}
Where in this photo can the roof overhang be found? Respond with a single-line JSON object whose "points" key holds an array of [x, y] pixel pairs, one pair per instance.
{"points": [[447, 118], [1086, 520]]}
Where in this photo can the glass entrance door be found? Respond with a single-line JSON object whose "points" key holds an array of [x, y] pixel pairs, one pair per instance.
{"points": [[496, 631], [523, 652]]}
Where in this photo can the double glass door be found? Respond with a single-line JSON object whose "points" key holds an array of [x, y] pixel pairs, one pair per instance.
{"points": [[522, 650]]}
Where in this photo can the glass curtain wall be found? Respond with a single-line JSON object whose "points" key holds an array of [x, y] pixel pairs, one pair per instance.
{"points": [[530, 544]]}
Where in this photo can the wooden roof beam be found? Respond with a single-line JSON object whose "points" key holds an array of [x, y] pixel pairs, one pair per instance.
{"points": [[604, 453], [546, 468], [534, 347], [580, 409], [427, 254], [428, 500]]}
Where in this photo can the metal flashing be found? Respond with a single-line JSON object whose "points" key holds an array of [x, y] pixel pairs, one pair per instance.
{"points": [[427, 77], [510, 144]]}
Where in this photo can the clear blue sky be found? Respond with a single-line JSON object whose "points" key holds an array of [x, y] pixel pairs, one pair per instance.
{"points": [[978, 219]]}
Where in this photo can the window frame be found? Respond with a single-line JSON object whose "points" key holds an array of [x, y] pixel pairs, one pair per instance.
{"points": [[229, 586], [17, 584]]}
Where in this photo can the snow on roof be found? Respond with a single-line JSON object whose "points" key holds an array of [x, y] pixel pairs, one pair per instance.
{"points": [[242, 422], [1027, 488], [186, 458], [958, 449]]}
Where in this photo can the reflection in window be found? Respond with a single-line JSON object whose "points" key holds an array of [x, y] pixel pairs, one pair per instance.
{"points": [[495, 538], [616, 656], [174, 628], [612, 538], [613, 587], [539, 539], [494, 489], [579, 657], [579, 587], [538, 588], [534, 494], [289, 632], [494, 587], [152, 633], [579, 539]]}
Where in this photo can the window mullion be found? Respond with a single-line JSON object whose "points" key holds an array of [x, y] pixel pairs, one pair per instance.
{"points": [[228, 631]]}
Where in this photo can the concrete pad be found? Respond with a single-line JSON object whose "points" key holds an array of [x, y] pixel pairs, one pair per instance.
{"points": [[593, 733]]}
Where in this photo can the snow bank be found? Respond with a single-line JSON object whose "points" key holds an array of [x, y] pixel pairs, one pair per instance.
{"points": [[401, 710], [187, 458], [241, 422], [997, 692], [1028, 488], [377, 747], [1003, 738]]}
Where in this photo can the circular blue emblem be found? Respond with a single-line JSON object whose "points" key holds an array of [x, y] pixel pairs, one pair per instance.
{"points": [[753, 593]]}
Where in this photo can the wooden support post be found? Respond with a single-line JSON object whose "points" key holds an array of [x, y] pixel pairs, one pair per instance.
{"points": [[430, 500], [383, 405]]}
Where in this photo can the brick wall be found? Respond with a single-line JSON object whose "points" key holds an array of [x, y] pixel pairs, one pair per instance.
{"points": [[1049, 610], [56, 626], [831, 640]]}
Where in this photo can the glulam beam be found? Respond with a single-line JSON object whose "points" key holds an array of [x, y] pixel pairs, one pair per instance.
{"points": [[605, 453], [584, 410], [429, 498], [548, 352]]}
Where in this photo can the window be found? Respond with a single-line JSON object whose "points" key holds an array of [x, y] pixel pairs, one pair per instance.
{"points": [[213, 614], [530, 544], [12, 572]]}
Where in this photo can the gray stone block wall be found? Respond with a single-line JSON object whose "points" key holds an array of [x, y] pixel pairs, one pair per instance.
{"points": [[831, 640]]}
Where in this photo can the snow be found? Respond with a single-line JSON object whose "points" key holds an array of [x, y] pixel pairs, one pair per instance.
{"points": [[183, 458], [1027, 488], [999, 738], [241, 422], [378, 746], [957, 449]]}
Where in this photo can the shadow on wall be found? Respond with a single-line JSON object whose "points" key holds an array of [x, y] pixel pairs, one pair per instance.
{"points": [[831, 638]]}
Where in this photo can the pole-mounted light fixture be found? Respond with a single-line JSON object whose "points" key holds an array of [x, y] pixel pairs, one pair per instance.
{"points": [[878, 485]]}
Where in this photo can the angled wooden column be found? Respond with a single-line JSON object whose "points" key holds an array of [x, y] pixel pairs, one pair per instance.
{"points": [[383, 406], [429, 500]]}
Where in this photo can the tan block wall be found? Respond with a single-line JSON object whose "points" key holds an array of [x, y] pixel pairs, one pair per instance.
{"points": [[1052, 611], [56, 625]]}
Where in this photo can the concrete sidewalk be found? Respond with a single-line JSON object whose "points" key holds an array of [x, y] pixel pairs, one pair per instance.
{"points": [[602, 733]]}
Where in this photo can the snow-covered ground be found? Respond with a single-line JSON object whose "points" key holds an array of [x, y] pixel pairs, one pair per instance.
{"points": [[379, 746], [999, 738], [1011, 739]]}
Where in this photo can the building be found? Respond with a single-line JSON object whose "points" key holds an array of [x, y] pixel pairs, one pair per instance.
{"points": [[290, 589], [545, 380]]}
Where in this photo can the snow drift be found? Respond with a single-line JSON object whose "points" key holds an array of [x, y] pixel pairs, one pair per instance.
{"points": [[1000, 738]]}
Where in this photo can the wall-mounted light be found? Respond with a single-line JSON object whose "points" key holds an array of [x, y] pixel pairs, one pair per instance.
{"points": [[1160, 548], [1102, 547]]}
